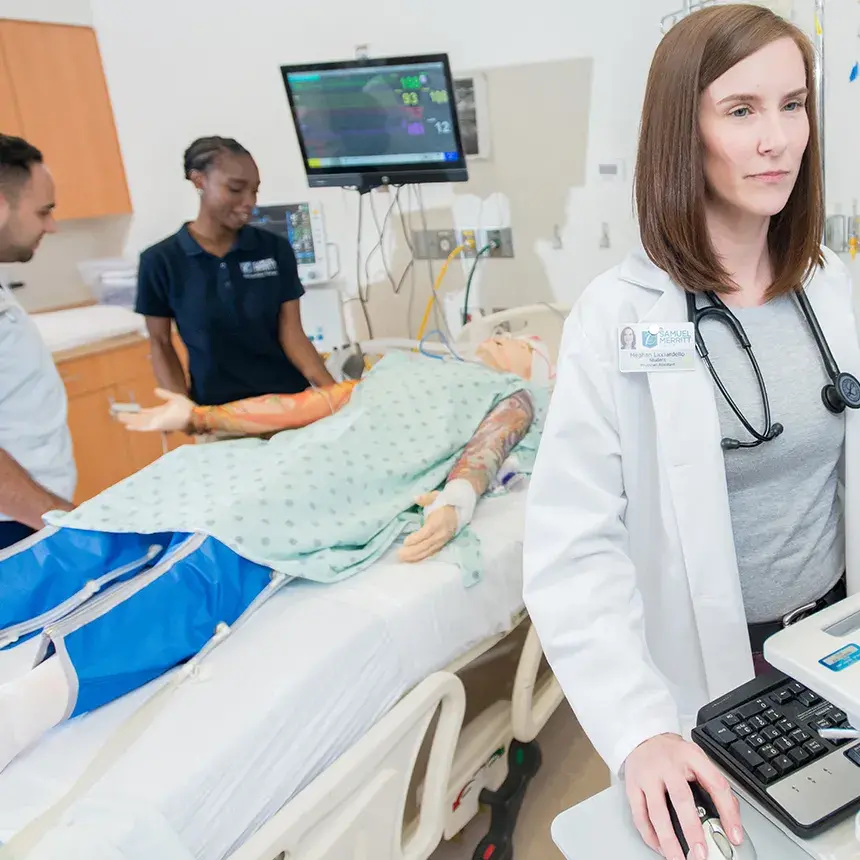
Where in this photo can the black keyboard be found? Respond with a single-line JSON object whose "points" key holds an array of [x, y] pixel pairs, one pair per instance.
{"points": [[765, 736]]}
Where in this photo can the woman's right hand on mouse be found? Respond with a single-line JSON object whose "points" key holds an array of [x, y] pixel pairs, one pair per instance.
{"points": [[668, 764]]}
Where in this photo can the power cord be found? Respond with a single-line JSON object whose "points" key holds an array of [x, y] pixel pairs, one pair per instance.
{"points": [[491, 246], [360, 295], [410, 266], [445, 343], [380, 245], [441, 322], [434, 298]]}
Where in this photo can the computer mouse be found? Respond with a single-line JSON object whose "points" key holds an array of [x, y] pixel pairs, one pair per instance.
{"points": [[717, 843]]}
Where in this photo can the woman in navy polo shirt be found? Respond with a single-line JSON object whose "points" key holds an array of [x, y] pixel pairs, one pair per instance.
{"points": [[233, 290]]}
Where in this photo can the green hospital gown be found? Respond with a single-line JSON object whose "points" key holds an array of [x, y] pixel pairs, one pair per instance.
{"points": [[325, 501]]}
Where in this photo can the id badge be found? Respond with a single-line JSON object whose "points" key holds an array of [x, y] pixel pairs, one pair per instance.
{"points": [[650, 347]]}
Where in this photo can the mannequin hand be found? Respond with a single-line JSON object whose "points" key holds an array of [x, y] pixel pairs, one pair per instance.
{"points": [[439, 529], [175, 414], [667, 763]]}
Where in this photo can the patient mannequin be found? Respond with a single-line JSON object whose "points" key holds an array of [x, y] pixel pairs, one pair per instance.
{"points": [[35, 703], [446, 512]]}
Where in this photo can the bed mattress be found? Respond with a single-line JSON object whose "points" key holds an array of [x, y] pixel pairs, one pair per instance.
{"points": [[273, 706]]}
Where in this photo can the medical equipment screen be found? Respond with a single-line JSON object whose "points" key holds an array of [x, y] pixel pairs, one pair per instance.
{"points": [[377, 122], [302, 225], [294, 222]]}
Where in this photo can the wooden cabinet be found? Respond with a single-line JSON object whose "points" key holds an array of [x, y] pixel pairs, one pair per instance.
{"points": [[10, 119], [99, 444], [53, 93], [105, 452]]}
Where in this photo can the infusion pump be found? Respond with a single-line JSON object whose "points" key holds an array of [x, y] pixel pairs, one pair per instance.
{"points": [[303, 226]]}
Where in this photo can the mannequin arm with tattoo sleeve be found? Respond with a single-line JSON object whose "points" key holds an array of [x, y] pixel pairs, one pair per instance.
{"points": [[256, 416], [449, 511]]}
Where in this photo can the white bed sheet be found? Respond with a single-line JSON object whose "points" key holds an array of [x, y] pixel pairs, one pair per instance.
{"points": [[276, 704]]}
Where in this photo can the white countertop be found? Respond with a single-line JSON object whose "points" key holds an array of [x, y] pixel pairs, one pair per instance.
{"points": [[69, 329]]}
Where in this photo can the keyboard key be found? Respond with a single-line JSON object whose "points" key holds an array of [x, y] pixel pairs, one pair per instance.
{"points": [[781, 696], [799, 736], [783, 764], [783, 744], [838, 716], [731, 720], [755, 741], [771, 716], [786, 726], [768, 752], [751, 709], [808, 699], [799, 756], [722, 735], [853, 755], [796, 688], [743, 730], [815, 747], [746, 754], [757, 723], [821, 723], [766, 773], [771, 733]]}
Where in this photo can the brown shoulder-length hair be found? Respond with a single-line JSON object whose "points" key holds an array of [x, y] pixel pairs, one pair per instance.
{"points": [[670, 180]]}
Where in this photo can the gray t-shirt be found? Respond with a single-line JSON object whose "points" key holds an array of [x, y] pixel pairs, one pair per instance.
{"points": [[786, 516]]}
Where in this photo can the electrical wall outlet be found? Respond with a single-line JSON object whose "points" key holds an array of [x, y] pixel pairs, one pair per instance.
{"points": [[446, 241], [434, 244], [438, 244], [470, 240], [502, 238]]}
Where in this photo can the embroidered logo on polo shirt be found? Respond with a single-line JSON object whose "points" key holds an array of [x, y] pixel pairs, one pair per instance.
{"points": [[259, 268]]}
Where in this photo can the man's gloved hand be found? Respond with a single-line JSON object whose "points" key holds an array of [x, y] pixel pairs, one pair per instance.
{"points": [[174, 414]]}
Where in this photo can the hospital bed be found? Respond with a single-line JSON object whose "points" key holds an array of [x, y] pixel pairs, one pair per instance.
{"points": [[300, 736]]}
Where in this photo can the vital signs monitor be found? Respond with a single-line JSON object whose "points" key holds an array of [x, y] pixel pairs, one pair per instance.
{"points": [[372, 122]]}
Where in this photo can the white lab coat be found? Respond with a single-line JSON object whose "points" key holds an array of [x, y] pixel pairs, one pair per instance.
{"points": [[631, 577]]}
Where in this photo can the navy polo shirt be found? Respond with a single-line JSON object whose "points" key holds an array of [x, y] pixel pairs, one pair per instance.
{"points": [[226, 310]]}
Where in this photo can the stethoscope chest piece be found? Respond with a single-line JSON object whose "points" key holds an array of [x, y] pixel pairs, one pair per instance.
{"points": [[843, 391]]}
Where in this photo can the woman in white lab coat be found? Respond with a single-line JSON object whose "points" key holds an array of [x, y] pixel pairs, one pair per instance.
{"points": [[659, 527]]}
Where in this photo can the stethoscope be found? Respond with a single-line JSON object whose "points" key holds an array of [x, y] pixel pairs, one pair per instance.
{"points": [[842, 390]]}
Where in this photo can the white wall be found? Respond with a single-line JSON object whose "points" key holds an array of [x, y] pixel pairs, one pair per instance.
{"points": [[53, 11], [179, 70]]}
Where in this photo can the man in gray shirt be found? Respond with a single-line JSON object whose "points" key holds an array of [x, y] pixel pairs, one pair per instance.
{"points": [[37, 469]]}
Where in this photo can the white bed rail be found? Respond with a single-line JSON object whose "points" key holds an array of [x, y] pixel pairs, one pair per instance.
{"points": [[355, 809], [545, 321], [533, 703]]}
